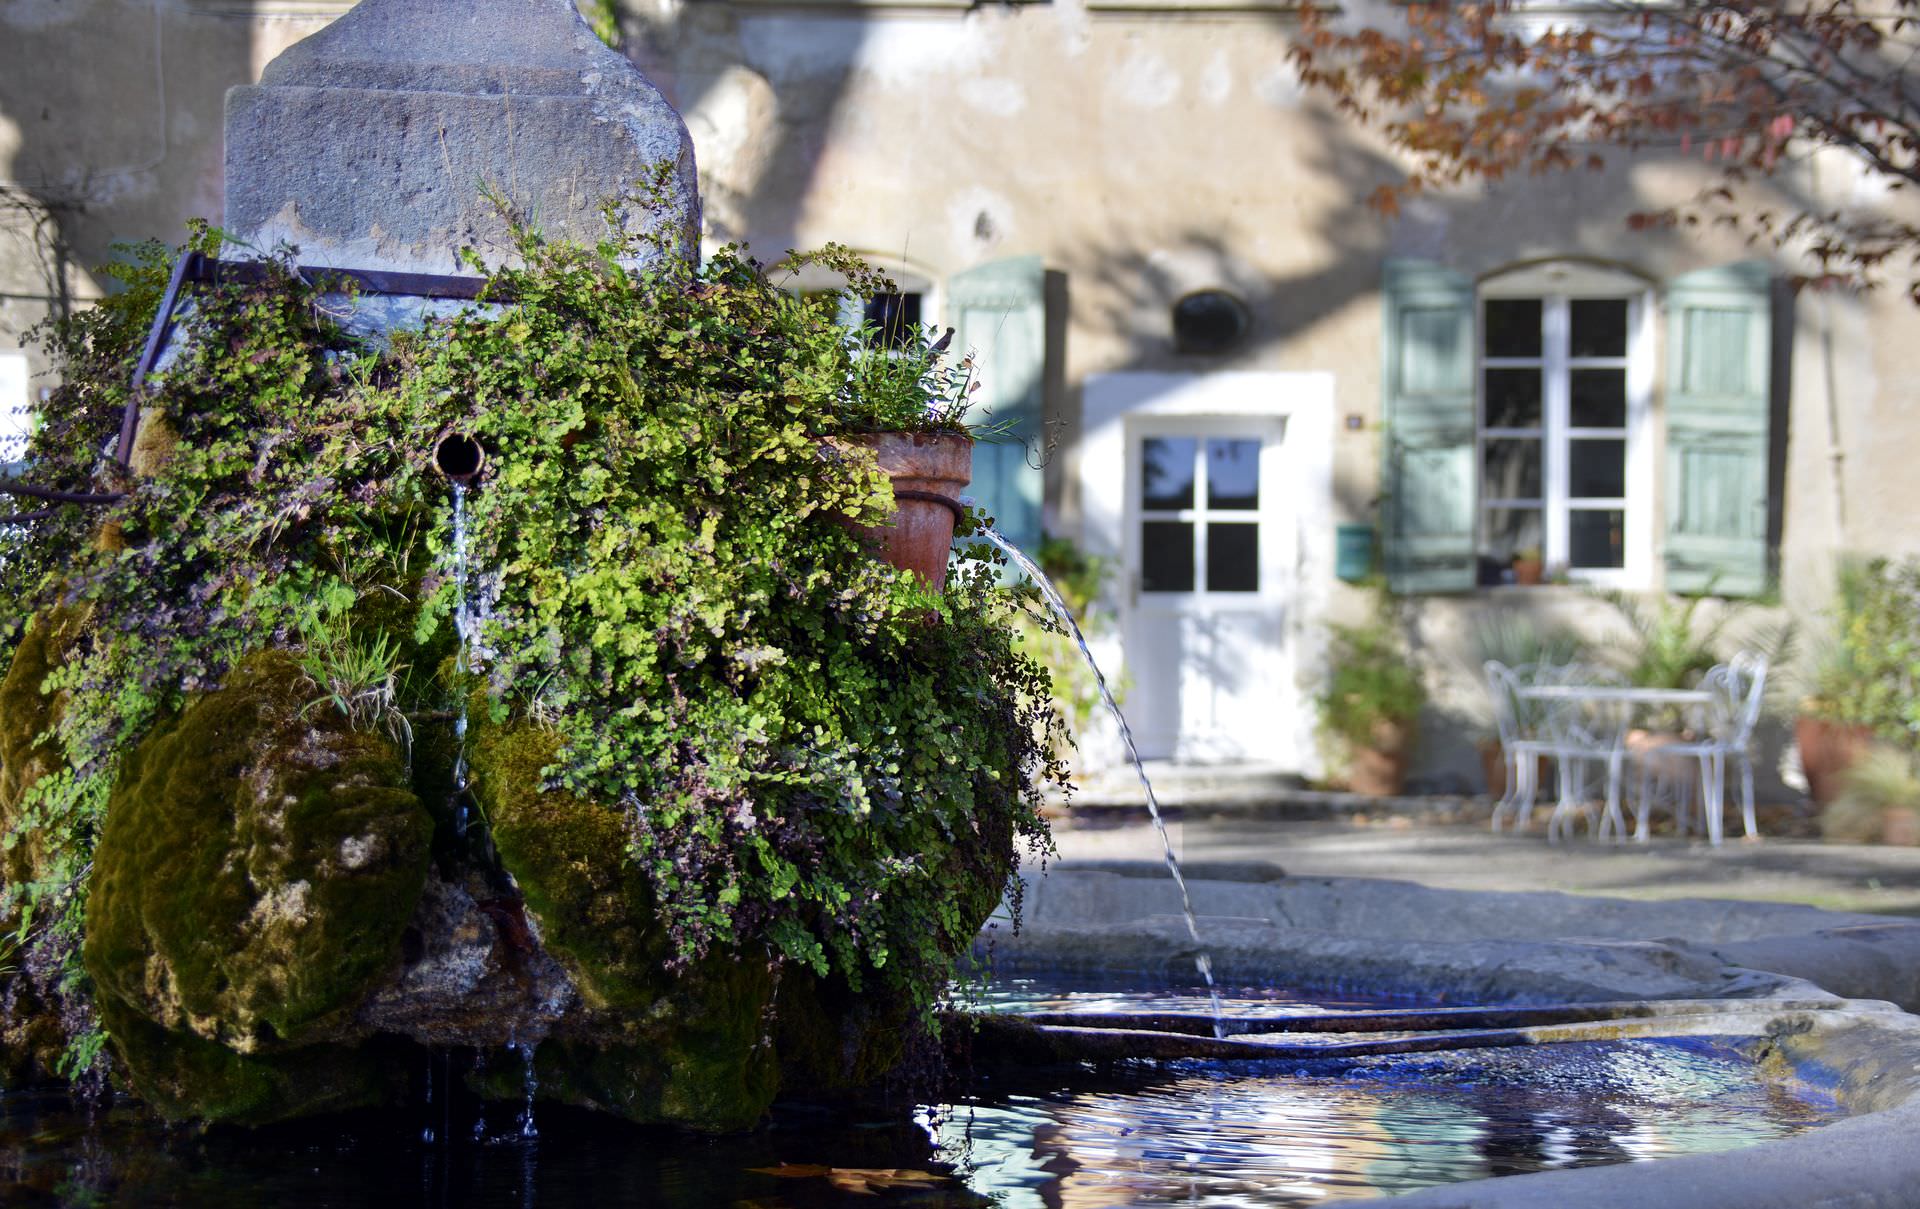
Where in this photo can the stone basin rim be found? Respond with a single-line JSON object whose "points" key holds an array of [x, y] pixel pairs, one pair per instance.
{"points": [[1866, 1048]]}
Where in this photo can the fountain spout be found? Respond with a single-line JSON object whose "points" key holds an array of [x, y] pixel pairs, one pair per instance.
{"points": [[459, 456]]}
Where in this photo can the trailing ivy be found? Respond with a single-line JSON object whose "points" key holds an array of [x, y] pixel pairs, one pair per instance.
{"points": [[807, 747]]}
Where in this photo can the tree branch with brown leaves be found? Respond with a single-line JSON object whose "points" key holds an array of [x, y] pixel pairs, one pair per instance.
{"points": [[1486, 90]]}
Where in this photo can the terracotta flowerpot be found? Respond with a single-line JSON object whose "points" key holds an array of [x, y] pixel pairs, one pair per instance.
{"points": [[928, 472], [1379, 770], [1827, 750], [1528, 571], [1493, 763]]}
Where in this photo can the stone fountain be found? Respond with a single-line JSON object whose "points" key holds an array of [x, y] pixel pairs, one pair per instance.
{"points": [[286, 917]]}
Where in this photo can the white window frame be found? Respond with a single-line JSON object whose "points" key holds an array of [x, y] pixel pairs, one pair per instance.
{"points": [[1201, 514], [1558, 285]]}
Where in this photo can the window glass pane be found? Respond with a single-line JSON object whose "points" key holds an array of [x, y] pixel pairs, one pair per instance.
{"points": [[1233, 474], [1598, 398], [895, 319], [1597, 468], [1507, 531], [1513, 327], [1233, 557], [1166, 556], [1597, 537], [1511, 469], [1166, 472], [1513, 398], [1599, 327]]}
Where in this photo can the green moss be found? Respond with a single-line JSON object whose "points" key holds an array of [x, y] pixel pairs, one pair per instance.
{"points": [[26, 715], [835, 1041], [185, 1077], [693, 1047], [31, 1037], [592, 901], [258, 864]]}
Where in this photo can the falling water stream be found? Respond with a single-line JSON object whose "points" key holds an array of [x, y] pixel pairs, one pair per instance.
{"points": [[1054, 601], [463, 624]]}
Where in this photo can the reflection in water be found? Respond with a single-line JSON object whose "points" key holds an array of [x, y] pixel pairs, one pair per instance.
{"points": [[1218, 1135]]}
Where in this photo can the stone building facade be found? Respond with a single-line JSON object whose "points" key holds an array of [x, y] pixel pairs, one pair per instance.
{"points": [[1217, 356]]}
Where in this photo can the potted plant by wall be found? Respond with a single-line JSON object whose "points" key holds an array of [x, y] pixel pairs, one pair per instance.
{"points": [[1878, 800], [1863, 681], [1528, 567], [1370, 705], [1827, 730]]}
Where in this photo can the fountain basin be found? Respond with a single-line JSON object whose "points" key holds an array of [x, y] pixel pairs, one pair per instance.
{"points": [[1767, 973]]}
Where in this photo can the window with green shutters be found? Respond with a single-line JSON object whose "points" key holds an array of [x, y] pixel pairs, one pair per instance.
{"points": [[1516, 428]]}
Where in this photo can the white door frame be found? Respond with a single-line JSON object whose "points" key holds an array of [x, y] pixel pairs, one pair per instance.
{"points": [[1296, 565]]}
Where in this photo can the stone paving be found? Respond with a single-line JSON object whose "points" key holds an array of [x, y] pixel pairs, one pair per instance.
{"points": [[1466, 855]]}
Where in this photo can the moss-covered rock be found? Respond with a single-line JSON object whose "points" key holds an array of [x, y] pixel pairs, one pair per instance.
{"points": [[31, 1036], [258, 864], [687, 1046], [834, 1041], [27, 713], [185, 1077]]}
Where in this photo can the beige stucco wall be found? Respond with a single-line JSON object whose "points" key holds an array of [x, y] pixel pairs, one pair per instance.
{"points": [[1142, 153]]}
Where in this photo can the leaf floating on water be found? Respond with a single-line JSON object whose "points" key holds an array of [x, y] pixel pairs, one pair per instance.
{"points": [[867, 1181], [794, 1171]]}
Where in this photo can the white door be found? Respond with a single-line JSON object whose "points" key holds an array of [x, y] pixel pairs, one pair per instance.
{"points": [[1207, 548]]}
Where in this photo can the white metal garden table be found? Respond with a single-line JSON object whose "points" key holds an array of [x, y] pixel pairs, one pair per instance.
{"points": [[1606, 743]]}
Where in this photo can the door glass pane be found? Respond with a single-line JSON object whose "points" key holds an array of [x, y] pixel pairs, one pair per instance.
{"points": [[1598, 398], [1599, 327], [1510, 468], [1513, 398], [1166, 472], [1233, 473], [1597, 468], [1513, 327], [1508, 531], [1166, 556], [1233, 557], [1597, 537]]}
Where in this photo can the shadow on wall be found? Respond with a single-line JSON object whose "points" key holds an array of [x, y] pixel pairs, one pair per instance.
{"points": [[109, 131]]}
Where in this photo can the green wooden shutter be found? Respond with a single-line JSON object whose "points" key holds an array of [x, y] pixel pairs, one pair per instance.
{"points": [[998, 312], [1718, 352], [1428, 404]]}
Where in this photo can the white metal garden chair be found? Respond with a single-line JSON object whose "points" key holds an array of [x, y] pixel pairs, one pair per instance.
{"points": [[1572, 733], [1738, 688]]}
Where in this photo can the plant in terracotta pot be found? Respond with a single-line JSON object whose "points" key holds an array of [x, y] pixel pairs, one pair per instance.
{"points": [[905, 402], [1878, 801], [1861, 681], [1370, 705], [1528, 567]]}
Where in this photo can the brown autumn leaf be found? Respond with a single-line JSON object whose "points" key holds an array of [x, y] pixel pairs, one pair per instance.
{"points": [[793, 1171], [866, 1181]]}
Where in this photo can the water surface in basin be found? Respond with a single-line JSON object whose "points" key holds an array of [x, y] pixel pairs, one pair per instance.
{"points": [[1288, 1134], [1191, 1133]]}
